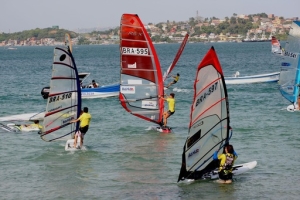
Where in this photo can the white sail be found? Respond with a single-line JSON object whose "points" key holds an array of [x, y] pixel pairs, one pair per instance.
{"points": [[64, 101], [289, 79], [24, 117], [209, 122]]}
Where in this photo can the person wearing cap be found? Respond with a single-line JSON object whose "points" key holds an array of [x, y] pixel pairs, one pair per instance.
{"points": [[95, 85], [176, 79], [171, 107]]}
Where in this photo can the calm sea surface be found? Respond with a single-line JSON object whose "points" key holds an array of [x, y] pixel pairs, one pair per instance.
{"points": [[125, 161]]}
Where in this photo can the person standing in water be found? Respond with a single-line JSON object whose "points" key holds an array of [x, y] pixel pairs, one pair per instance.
{"points": [[171, 108], [226, 164], [85, 119]]}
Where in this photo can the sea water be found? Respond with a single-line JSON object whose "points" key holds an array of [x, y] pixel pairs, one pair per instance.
{"points": [[122, 159]]}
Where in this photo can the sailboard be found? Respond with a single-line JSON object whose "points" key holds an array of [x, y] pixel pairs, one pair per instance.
{"points": [[176, 58], [289, 78], [141, 79], [64, 100], [275, 46], [209, 128]]}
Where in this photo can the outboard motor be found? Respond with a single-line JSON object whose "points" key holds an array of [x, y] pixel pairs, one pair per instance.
{"points": [[45, 92]]}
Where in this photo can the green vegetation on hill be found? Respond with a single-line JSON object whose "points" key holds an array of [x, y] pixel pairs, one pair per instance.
{"points": [[228, 26], [57, 34]]}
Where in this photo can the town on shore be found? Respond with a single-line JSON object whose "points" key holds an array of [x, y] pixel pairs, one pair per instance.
{"points": [[238, 28]]}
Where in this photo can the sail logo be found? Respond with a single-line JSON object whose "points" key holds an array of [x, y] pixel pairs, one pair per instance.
{"points": [[132, 65], [134, 51], [67, 120], [127, 89], [131, 33], [208, 92], [193, 152], [290, 54], [87, 93], [149, 104], [198, 124]]}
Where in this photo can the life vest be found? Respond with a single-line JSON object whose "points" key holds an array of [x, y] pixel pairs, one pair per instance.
{"points": [[229, 161], [227, 167]]}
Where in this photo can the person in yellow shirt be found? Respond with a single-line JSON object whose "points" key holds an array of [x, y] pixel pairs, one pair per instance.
{"points": [[85, 119], [171, 108], [176, 79], [227, 159], [34, 126]]}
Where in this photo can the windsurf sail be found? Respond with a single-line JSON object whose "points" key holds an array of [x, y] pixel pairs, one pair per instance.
{"points": [[9, 122], [275, 44], [141, 78], [179, 52], [24, 117], [209, 119], [289, 78], [64, 101]]}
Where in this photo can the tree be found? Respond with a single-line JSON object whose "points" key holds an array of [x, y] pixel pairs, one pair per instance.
{"points": [[232, 20]]}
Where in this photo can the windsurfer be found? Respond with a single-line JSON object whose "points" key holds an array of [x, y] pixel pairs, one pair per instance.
{"points": [[227, 159], [35, 125], [171, 106], [176, 79], [85, 119]]}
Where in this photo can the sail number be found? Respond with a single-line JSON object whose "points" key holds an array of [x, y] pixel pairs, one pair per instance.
{"points": [[60, 97], [210, 90], [134, 51], [290, 54]]}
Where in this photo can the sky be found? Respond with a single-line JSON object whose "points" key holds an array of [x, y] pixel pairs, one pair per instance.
{"points": [[19, 15]]}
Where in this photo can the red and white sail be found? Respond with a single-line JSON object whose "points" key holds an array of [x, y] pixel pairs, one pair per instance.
{"points": [[276, 47], [141, 76], [209, 119], [179, 52]]}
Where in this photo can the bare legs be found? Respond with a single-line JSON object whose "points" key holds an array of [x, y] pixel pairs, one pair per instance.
{"points": [[165, 116], [223, 181], [169, 84]]}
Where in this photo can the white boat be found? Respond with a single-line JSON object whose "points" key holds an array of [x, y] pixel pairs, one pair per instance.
{"points": [[290, 68], [209, 128], [259, 78], [88, 91], [64, 99]]}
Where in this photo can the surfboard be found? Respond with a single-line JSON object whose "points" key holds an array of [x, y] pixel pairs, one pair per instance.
{"points": [[70, 145], [292, 108], [237, 170], [161, 129]]}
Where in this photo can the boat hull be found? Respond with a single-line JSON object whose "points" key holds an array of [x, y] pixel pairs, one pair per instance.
{"points": [[101, 92], [260, 78], [90, 93]]}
